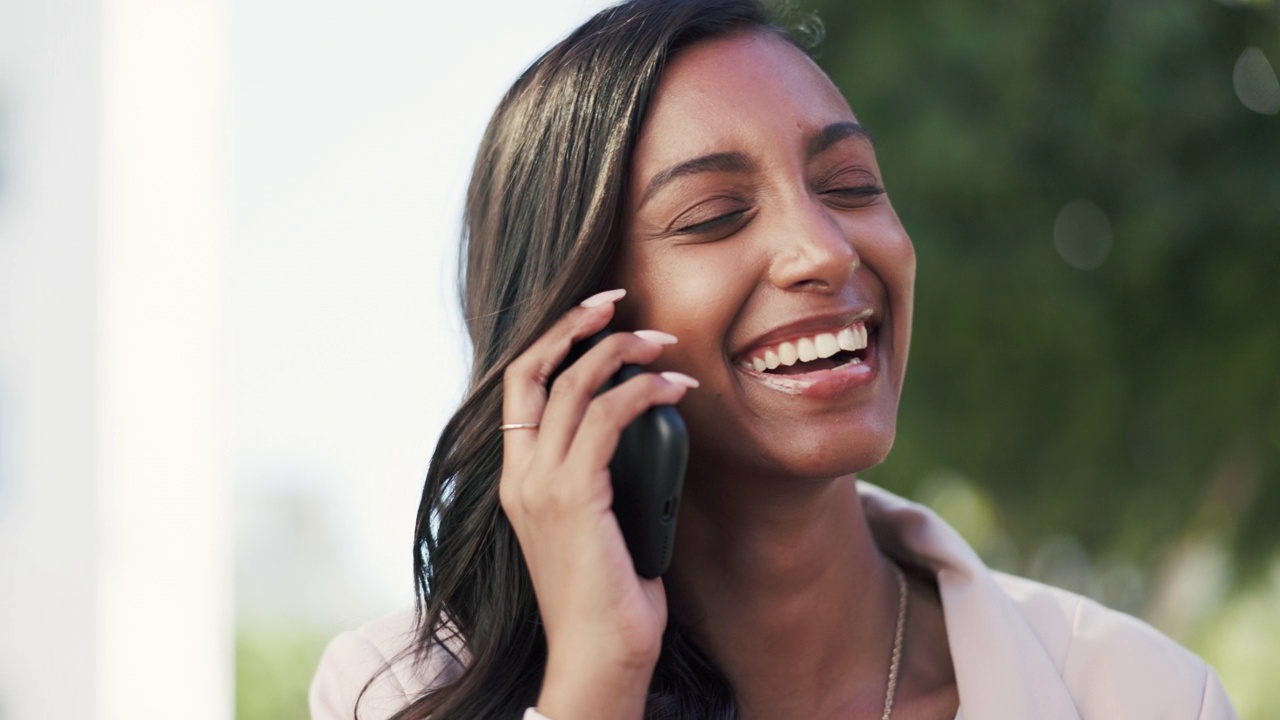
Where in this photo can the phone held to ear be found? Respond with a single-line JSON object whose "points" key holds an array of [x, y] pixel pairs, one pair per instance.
{"points": [[648, 473]]}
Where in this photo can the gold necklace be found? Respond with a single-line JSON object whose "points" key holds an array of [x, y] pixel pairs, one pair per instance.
{"points": [[896, 660]]}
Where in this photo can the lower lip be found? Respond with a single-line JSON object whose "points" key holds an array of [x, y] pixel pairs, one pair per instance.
{"points": [[822, 384]]}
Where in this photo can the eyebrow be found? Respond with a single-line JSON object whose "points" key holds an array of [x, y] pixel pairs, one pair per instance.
{"points": [[834, 133], [737, 162]]}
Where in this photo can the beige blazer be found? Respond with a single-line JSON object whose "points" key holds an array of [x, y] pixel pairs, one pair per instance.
{"points": [[1021, 649]]}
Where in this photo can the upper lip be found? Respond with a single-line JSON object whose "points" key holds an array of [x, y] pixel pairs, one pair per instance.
{"points": [[805, 327]]}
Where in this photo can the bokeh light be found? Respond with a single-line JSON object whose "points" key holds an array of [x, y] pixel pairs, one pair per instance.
{"points": [[1255, 82], [1082, 235]]}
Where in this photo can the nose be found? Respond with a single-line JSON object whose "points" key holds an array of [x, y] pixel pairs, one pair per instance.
{"points": [[813, 253]]}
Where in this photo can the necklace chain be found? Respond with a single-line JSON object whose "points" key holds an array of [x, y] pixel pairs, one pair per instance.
{"points": [[898, 632]]}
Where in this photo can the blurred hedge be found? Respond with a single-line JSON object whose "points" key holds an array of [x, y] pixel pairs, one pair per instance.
{"points": [[1127, 404]]}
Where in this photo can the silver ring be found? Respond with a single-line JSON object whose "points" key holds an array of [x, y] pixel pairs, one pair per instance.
{"points": [[517, 426]]}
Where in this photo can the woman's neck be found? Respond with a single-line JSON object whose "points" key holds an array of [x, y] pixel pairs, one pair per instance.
{"points": [[783, 585]]}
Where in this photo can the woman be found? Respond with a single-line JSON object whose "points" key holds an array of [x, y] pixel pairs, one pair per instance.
{"points": [[685, 167]]}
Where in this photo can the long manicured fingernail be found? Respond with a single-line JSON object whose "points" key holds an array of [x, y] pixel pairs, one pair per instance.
{"points": [[679, 378], [656, 336], [603, 298]]}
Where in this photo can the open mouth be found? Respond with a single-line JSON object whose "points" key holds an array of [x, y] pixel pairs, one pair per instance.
{"points": [[814, 353]]}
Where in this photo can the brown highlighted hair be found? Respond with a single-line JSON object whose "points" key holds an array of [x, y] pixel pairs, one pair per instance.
{"points": [[543, 219]]}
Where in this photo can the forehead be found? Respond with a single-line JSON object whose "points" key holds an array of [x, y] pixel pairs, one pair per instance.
{"points": [[746, 92]]}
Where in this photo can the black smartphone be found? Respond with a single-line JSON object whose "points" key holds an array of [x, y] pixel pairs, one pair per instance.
{"points": [[648, 473]]}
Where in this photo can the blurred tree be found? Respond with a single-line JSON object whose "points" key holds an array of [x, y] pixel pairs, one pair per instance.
{"points": [[1097, 217]]}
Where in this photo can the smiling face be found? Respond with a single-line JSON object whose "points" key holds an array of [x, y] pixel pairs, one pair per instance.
{"points": [[758, 231]]}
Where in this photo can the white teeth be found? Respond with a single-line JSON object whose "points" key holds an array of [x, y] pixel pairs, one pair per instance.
{"points": [[826, 345], [806, 349], [787, 354], [823, 345], [848, 340]]}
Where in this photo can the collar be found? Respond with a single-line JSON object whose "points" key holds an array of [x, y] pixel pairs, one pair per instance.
{"points": [[1003, 671]]}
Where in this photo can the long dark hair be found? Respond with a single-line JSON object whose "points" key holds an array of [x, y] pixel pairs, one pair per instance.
{"points": [[543, 217]]}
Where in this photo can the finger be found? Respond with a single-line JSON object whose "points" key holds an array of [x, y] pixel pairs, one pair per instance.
{"points": [[612, 411], [578, 384], [524, 382]]}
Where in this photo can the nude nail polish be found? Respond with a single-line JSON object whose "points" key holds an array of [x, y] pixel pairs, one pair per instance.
{"points": [[656, 336], [603, 298], [679, 378]]}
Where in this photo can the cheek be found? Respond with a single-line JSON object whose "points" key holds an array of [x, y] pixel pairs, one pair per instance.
{"points": [[689, 291], [895, 262], [892, 257], [883, 245]]}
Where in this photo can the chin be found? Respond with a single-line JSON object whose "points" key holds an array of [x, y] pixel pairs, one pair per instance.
{"points": [[801, 453], [837, 457]]}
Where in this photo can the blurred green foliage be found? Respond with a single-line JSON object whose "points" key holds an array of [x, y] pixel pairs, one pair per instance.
{"points": [[274, 665], [1125, 405], [1241, 641]]}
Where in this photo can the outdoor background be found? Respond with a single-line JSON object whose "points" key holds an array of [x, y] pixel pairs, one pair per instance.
{"points": [[1093, 399], [1094, 396]]}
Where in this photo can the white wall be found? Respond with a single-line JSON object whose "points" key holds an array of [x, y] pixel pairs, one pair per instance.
{"points": [[164, 610], [48, 498], [114, 542], [226, 244]]}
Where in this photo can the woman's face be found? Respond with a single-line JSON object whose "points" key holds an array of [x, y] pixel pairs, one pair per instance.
{"points": [[758, 232]]}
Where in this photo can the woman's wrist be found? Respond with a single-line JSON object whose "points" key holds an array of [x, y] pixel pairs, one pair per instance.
{"points": [[585, 688]]}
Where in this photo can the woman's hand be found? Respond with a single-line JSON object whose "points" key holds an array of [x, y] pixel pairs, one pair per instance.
{"points": [[604, 623]]}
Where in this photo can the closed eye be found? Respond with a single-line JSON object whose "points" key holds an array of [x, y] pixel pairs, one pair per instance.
{"points": [[863, 191], [720, 222], [853, 197]]}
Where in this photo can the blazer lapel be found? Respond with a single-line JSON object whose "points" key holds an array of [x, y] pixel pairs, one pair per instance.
{"points": [[1003, 671]]}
